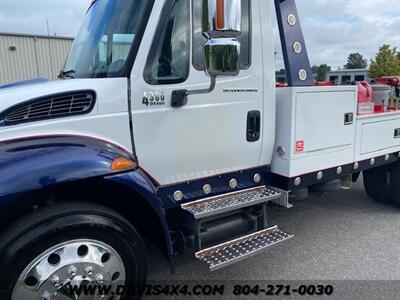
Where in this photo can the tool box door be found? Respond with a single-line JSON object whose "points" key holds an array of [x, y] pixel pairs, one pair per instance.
{"points": [[378, 136], [324, 121]]}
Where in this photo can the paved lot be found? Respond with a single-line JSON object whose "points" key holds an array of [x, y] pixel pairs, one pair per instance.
{"points": [[343, 237]]}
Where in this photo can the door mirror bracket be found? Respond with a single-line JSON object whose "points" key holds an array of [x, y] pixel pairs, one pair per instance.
{"points": [[179, 98]]}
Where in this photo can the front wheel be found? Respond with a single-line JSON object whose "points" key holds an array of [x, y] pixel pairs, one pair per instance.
{"points": [[59, 251]]}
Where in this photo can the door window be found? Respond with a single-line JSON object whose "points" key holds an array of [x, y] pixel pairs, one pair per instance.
{"points": [[169, 57]]}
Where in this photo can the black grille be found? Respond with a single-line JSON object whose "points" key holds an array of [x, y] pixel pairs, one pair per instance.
{"points": [[49, 107]]}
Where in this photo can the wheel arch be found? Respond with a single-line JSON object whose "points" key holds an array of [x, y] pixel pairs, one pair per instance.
{"points": [[121, 193]]}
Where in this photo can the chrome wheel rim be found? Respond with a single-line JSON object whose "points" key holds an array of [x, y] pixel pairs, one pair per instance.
{"points": [[74, 263]]}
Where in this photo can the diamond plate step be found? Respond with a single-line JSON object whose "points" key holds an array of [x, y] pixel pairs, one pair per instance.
{"points": [[233, 251], [228, 202]]}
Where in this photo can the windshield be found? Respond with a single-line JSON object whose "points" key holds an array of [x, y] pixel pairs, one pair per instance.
{"points": [[108, 39]]}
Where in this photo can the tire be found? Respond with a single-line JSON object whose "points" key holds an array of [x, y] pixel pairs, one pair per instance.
{"points": [[377, 183], [395, 183], [78, 240]]}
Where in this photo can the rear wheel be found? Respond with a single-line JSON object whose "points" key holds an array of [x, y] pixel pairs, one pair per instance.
{"points": [[377, 183], [395, 183], [53, 253]]}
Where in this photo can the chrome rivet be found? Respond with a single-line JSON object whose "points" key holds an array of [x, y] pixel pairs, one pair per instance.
{"points": [[387, 157], [233, 183], [178, 195], [297, 181], [339, 170], [297, 47], [281, 151], [99, 278], [257, 178], [320, 175], [372, 161], [291, 19], [207, 189], [303, 74], [356, 166]]}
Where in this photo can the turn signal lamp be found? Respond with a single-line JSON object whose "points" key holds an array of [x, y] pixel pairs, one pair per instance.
{"points": [[220, 14], [122, 163]]}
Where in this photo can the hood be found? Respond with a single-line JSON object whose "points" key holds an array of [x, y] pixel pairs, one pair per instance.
{"points": [[15, 93], [24, 82]]}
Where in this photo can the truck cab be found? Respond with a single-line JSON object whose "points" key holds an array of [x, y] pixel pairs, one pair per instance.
{"points": [[166, 125], [211, 133]]}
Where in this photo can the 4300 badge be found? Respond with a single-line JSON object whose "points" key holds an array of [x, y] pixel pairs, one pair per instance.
{"points": [[153, 98]]}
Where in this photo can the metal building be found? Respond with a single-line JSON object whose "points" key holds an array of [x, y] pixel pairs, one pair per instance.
{"points": [[24, 57], [347, 76]]}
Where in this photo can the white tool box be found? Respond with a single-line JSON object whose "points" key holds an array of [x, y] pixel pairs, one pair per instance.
{"points": [[377, 135], [318, 128], [315, 129]]}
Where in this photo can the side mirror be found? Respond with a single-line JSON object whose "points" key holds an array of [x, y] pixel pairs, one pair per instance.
{"points": [[222, 57], [221, 25]]}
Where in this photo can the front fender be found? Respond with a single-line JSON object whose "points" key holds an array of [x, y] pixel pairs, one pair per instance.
{"points": [[34, 163], [138, 182]]}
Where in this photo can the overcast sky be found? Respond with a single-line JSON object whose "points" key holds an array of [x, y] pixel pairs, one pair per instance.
{"points": [[332, 28]]}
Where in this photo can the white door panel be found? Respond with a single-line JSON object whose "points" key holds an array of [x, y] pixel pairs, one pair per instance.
{"points": [[205, 137]]}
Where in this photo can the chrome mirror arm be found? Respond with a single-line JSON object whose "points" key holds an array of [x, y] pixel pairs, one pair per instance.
{"points": [[179, 98]]}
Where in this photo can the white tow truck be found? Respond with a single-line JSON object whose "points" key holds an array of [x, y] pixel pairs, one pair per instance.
{"points": [[166, 125]]}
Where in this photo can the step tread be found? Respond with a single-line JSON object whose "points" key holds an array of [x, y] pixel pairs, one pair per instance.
{"points": [[232, 201], [236, 250]]}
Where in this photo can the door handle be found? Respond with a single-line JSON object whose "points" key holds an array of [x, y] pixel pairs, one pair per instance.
{"points": [[253, 126]]}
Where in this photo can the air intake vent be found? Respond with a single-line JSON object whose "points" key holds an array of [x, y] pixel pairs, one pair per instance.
{"points": [[50, 107]]}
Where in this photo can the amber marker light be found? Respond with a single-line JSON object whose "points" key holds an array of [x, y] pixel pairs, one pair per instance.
{"points": [[122, 163], [220, 14]]}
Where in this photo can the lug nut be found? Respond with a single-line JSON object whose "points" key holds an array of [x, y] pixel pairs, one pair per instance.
{"points": [[46, 296], [55, 281], [99, 278], [71, 272], [89, 271]]}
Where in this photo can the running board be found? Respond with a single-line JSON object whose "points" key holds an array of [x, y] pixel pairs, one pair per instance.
{"points": [[232, 201], [239, 249]]}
